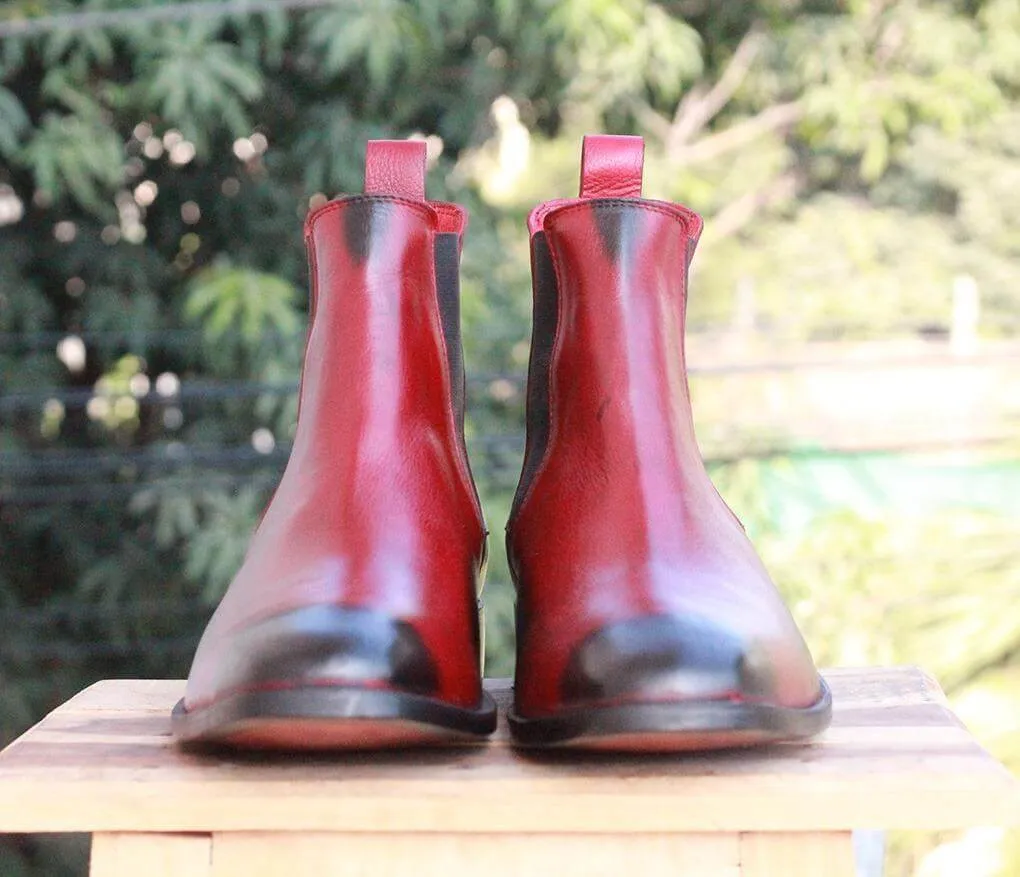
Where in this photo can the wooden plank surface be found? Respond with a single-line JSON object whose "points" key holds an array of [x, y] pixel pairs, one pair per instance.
{"points": [[244, 854], [896, 757], [151, 855], [784, 854]]}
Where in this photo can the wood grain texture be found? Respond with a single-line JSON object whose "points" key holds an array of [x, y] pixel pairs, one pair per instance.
{"points": [[152, 855], [786, 854], [896, 757], [243, 854]]}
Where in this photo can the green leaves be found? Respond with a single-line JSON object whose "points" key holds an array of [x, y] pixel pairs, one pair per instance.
{"points": [[199, 83], [671, 51], [210, 526], [250, 323], [79, 50], [77, 155], [615, 51], [215, 552], [330, 148], [382, 37], [252, 302], [13, 123], [867, 85]]}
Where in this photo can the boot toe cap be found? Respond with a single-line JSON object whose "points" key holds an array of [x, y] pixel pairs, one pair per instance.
{"points": [[316, 645], [669, 658]]}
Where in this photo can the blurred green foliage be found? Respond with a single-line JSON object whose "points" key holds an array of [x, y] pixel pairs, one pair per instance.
{"points": [[852, 159]]}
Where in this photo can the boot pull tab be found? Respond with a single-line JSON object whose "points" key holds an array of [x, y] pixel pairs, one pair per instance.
{"points": [[395, 167], [612, 166]]}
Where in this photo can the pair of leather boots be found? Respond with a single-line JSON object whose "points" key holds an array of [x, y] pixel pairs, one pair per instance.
{"points": [[645, 620]]}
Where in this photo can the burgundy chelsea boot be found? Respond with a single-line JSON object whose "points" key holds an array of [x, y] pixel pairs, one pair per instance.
{"points": [[645, 620], [354, 620]]}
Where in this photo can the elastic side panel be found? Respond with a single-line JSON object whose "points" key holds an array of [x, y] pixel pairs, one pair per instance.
{"points": [[543, 336], [448, 290]]}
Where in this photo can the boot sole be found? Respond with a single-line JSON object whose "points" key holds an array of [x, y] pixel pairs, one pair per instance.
{"points": [[673, 727], [327, 718]]}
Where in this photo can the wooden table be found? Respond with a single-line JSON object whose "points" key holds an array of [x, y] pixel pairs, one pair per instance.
{"points": [[896, 757]]}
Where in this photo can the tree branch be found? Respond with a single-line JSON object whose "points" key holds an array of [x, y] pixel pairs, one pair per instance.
{"points": [[700, 106], [650, 120], [739, 213], [772, 119]]}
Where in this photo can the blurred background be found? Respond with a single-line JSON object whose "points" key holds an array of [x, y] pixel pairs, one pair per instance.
{"points": [[854, 317]]}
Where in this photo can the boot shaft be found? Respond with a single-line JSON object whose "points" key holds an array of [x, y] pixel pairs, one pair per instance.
{"points": [[382, 389], [607, 387]]}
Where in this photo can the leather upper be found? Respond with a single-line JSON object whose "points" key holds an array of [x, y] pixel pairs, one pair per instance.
{"points": [[395, 167], [634, 579], [612, 166], [376, 511]]}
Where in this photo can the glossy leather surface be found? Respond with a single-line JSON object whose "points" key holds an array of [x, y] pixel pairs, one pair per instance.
{"points": [[635, 580], [395, 167], [376, 517], [656, 656], [611, 166], [321, 644]]}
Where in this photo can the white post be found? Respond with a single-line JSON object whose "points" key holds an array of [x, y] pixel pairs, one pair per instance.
{"points": [[745, 311], [963, 336]]}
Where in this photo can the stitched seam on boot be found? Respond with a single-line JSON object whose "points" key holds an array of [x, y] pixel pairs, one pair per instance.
{"points": [[692, 221], [339, 204]]}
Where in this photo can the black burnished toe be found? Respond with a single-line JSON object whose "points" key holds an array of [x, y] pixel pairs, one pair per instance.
{"points": [[665, 656], [335, 644]]}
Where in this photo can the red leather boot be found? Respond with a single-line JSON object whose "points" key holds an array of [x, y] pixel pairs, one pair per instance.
{"points": [[645, 619], [353, 622]]}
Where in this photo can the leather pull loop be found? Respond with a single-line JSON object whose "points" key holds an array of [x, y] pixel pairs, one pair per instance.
{"points": [[612, 166], [395, 167]]}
